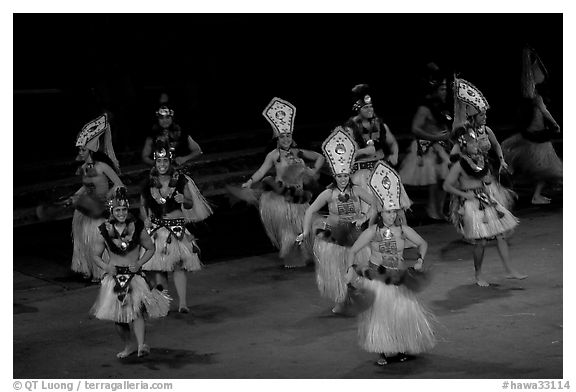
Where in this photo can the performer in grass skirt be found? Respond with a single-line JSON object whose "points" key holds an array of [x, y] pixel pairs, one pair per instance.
{"points": [[530, 152], [345, 221], [470, 106], [125, 296], [284, 200], [427, 161], [99, 169], [476, 212], [395, 324], [170, 200]]}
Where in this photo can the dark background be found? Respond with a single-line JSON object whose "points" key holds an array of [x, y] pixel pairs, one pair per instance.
{"points": [[221, 70]]}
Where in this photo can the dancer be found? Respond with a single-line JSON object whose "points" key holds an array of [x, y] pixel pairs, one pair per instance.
{"points": [[476, 213], [170, 199], [345, 221], [530, 152], [427, 161], [99, 168], [124, 296], [470, 107], [396, 324], [284, 201], [184, 148]]}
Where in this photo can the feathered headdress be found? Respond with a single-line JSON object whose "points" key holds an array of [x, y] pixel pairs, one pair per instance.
{"points": [[91, 133], [280, 114], [385, 183], [339, 149]]}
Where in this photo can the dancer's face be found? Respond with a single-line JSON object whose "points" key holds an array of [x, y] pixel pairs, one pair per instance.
{"points": [[442, 92], [367, 111], [389, 217], [481, 118], [285, 140], [164, 121], [342, 180], [163, 165], [120, 213], [83, 154]]}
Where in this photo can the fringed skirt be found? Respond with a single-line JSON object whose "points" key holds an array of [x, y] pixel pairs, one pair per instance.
{"points": [[396, 322], [85, 233], [476, 219], [331, 261], [201, 208], [283, 221], [173, 253], [139, 301], [427, 168], [537, 161]]}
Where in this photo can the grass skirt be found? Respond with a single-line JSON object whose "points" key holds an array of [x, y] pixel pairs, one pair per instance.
{"points": [[426, 169], [331, 266], [474, 222], [85, 233], [172, 253], [283, 221], [396, 322], [537, 161], [139, 302]]}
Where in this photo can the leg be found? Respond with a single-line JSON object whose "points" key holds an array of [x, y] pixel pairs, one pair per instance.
{"points": [[503, 250], [432, 202], [478, 260], [537, 197], [180, 283], [123, 330], [440, 199], [140, 333], [382, 361]]}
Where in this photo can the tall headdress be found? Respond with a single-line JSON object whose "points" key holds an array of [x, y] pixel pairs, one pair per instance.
{"points": [[91, 134], [361, 96], [468, 101], [385, 183], [120, 199], [533, 72], [280, 114], [339, 149]]}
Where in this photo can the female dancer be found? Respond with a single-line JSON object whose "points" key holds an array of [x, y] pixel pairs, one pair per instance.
{"points": [[470, 107], [168, 132], [427, 161], [125, 297], [344, 223], [476, 213], [99, 168], [396, 324], [170, 199], [530, 152], [284, 202]]}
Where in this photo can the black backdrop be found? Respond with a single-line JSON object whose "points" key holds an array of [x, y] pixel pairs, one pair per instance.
{"points": [[221, 70]]}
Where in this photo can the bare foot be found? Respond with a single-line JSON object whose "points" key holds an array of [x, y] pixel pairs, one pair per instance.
{"points": [[481, 282], [129, 350], [143, 350], [538, 200], [516, 275]]}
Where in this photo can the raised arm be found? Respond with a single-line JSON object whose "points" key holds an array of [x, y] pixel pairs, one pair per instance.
{"points": [[112, 176]]}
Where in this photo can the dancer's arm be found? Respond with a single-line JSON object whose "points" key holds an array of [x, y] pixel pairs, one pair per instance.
{"points": [[97, 252], [195, 151], [497, 148], [261, 172], [146, 151], [452, 179], [322, 199], [112, 176], [314, 156], [147, 243], [368, 198], [547, 115], [362, 241], [422, 245], [392, 144]]}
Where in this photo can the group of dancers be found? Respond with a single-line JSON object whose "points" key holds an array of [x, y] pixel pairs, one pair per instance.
{"points": [[357, 247]]}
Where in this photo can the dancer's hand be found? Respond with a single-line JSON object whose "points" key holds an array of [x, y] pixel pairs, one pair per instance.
{"points": [[503, 165], [135, 267], [470, 195], [393, 159], [418, 265], [179, 198], [300, 238], [248, 183]]}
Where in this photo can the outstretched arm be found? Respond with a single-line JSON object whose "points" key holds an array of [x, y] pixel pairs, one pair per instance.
{"points": [[261, 172]]}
